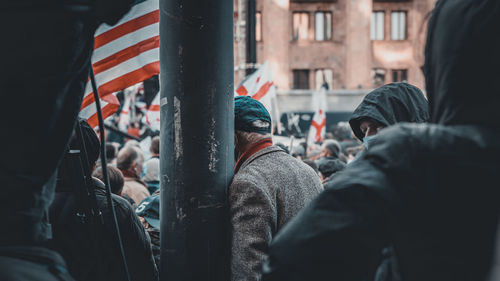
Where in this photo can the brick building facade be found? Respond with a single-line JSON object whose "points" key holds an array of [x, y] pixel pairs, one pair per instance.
{"points": [[350, 44]]}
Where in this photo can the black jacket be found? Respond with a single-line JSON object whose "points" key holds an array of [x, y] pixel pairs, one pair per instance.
{"points": [[391, 104], [85, 256], [429, 190]]}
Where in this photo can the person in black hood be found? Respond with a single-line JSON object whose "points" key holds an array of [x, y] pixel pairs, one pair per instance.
{"points": [[386, 106], [427, 189]]}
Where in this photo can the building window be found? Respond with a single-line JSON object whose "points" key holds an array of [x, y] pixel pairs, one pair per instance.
{"points": [[377, 26], [323, 26], [398, 25], [378, 77], [258, 27], [324, 76], [301, 78], [300, 25], [399, 75]]}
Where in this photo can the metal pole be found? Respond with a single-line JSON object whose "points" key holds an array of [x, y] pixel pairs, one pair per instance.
{"points": [[197, 137], [251, 45]]}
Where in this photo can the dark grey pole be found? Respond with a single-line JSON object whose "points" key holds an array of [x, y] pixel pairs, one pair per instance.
{"points": [[251, 44], [197, 124]]}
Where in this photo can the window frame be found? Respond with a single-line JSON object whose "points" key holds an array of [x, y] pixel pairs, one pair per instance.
{"points": [[405, 30], [307, 28], [296, 83], [374, 37], [326, 26]]}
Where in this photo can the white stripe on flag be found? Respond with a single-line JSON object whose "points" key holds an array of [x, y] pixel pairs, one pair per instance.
{"points": [[125, 41], [136, 11], [125, 67]]}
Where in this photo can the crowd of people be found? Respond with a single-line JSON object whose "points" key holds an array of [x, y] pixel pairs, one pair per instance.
{"points": [[412, 196]]}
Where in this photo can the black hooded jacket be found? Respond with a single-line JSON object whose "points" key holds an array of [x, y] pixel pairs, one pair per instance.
{"points": [[390, 104], [430, 190]]}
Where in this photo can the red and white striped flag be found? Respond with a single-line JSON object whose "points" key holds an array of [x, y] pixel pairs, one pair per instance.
{"points": [[109, 105], [126, 53], [318, 125], [153, 114]]}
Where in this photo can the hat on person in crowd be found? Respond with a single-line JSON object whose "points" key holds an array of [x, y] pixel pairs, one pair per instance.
{"points": [[251, 116], [90, 141], [149, 209], [330, 167]]}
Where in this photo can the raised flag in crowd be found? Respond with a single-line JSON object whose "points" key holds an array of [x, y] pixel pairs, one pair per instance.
{"points": [[318, 124], [125, 54], [153, 114], [260, 86], [124, 120]]}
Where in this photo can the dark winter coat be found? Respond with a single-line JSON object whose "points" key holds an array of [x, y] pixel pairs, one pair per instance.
{"points": [[88, 259], [429, 190], [390, 104]]}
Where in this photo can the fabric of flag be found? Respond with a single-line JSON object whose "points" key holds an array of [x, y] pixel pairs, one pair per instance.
{"points": [[318, 124], [153, 114], [126, 53], [124, 120], [260, 86], [109, 105]]}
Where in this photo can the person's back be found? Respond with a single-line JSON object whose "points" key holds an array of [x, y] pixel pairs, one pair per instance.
{"points": [[89, 259], [429, 190], [288, 182]]}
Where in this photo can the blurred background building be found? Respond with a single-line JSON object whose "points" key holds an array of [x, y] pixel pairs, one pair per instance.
{"points": [[352, 45]]}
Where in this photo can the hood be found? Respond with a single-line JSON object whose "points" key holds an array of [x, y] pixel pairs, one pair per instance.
{"points": [[462, 62], [391, 104]]}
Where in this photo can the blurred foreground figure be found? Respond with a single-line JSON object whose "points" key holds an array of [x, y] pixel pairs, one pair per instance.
{"points": [[45, 67], [268, 189], [429, 190], [90, 249]]}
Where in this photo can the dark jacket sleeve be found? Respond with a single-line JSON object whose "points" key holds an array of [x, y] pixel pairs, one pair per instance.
{"points": [[341, 234], [137, 245]]}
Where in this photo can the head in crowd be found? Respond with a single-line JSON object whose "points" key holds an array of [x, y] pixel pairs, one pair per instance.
{"points": [[133, 143], [330, 167], [284, 147], [298, 152], [151, 171], [311, 164], [155, 147], [330, 149], [386, 106], [115, 178], [130, 161], [92, 149], [252, 124], [110, 152]]}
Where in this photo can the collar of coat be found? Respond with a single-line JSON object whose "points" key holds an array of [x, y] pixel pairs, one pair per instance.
{"points": [[252, 150], [242, 163]]}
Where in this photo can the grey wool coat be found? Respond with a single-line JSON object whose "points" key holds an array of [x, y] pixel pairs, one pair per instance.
{"points": [[267, 191]]}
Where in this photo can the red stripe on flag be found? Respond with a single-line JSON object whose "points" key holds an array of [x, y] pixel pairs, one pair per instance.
{"points": [[154, 107], [262, 91], [126, 54], [107, 110], [125, 81], [127, 27], [242, 91]]}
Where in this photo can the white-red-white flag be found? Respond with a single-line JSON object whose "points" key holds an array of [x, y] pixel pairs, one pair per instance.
{"points": [[126, 53], [260, 86], [318, 124], [124, 120], [153, 113]]}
